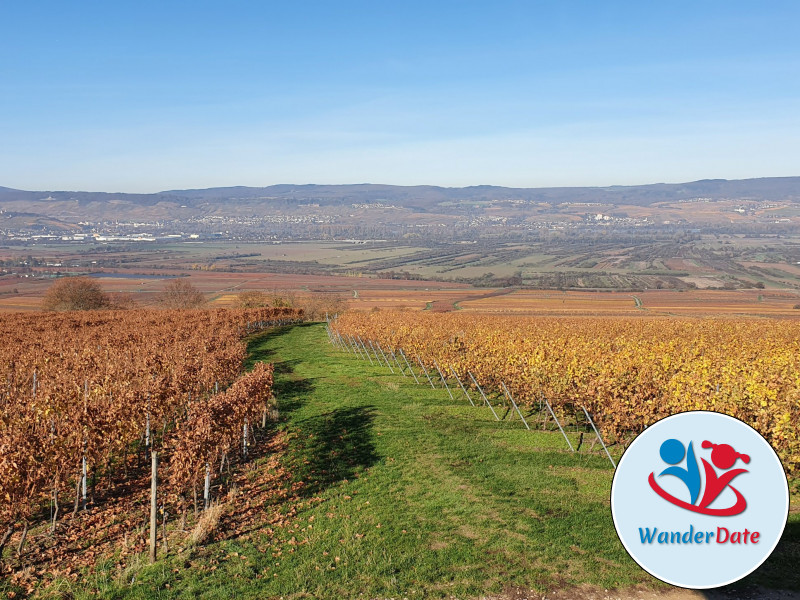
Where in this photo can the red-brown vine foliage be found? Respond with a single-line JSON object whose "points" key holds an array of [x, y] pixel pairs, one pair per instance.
{"points": [[75, 385]]}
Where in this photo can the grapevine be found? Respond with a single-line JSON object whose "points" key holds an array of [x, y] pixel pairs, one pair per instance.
{"points": [[628, 373]]}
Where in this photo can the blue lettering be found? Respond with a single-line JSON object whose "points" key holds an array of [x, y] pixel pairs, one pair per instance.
{"points": [[687, 537], [647, 537], [691, 536]]}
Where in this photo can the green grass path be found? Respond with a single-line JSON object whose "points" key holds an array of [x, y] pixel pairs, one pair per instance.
{"points": [[427, 497], [407, 494]]}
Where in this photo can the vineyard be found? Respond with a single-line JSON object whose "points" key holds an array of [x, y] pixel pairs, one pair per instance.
{"points": [[627, 373], [86, 396]]}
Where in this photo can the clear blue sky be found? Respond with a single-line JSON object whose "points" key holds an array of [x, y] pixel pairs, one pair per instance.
{"points": [[147, 96]]}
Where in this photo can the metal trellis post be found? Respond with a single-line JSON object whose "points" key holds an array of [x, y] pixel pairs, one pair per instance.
{"points": [[403, 354], [510, 397], [561, 429], [463, 389], [597, 433], [485, 399]]}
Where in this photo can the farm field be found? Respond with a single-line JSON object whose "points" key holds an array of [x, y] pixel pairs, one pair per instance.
{"points": [[374, 485], [369, 293], [25, 294], [601, 260], [632, 304]]}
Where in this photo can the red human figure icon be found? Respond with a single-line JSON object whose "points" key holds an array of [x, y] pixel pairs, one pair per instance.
{"points": [[724, 457]]}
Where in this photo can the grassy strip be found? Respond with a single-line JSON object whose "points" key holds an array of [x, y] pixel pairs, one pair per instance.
{"points": [[406, 494]]}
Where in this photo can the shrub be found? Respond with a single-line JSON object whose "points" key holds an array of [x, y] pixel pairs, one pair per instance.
{"points": [[179, 293], [75, 293]]}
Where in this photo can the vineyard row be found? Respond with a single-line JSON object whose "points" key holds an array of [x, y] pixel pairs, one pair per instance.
{"points": [[81, 392], [627, 373]]}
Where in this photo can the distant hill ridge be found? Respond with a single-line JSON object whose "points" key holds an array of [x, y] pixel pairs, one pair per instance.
{"points": [[420, 198], [768, 188]]}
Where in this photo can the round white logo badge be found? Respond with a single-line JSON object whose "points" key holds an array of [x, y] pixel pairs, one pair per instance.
{"points": [[699, 499]]}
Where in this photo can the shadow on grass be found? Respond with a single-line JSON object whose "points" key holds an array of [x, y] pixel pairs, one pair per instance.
{"points": [[256, 350], [779, 571], [329, 447], [334, 446], [290, 390], [291, 393]]}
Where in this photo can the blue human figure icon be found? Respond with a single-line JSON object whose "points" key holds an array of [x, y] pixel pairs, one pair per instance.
{"points": [[672, 453]]}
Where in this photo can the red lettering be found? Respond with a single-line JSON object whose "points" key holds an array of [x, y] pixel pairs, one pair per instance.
{"points": [[720, 539], [736, 537]]}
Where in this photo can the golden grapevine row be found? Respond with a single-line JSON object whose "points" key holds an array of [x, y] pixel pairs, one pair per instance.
{"points": [[628, 373], [78, 390]]}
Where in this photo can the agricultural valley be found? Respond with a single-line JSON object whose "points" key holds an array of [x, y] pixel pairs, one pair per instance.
{"points": [[339, 391]]}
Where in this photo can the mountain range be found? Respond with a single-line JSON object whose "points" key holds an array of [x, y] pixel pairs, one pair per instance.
{"points": [[237, 201]]}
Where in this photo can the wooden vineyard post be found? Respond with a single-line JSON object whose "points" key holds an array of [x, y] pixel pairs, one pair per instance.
{"points": [[153, 504]]}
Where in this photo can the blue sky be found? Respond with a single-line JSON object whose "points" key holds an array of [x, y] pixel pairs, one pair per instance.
{"points": [[146, 96]]}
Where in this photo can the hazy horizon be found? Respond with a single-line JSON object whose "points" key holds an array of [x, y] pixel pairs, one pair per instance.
{"points": [[159, 96], [369, 183]]}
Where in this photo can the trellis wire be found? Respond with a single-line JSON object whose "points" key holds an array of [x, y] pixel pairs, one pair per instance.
{"points": [[357, 349]]}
